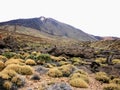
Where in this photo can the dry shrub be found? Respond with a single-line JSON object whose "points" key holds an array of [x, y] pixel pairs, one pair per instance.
{"points": [[30, 62], [24, 70], [78, 75], [102, 77], [116, 61], [111, 86], [116, 81], [7, 85], [18, 80], [14, 61], [3, 58], [54, 72], [57, 59], [7, 74], [78, 82], [101, 60], [2, 65], [81, 72], [67, 69]]}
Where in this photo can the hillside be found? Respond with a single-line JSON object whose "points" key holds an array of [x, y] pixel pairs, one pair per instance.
{"points": [[50, 27]]}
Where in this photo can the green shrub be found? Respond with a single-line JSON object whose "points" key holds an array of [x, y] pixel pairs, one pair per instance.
{"points": [[55, 72], [9, 54], [111, 86], [78, 82], [102, 77], [44, 58]]}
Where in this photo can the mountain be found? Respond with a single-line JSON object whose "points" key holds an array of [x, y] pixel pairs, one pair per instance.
{"points": [[50, 27]]}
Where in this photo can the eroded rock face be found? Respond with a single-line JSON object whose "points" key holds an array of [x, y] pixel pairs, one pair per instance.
{"points": [[59, 86]]}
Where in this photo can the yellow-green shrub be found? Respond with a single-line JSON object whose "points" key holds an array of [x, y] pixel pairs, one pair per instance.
{"points": [[14, 61], [116, 61], [102, 77], [2, 65], [7, 85], [111, 86], [30, 62], [55, 72], [78, 82]]}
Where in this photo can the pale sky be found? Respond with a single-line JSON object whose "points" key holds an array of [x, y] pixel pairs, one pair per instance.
{"points": [[97, 17]]}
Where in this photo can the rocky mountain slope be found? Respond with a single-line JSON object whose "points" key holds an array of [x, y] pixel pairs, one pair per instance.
{"points": [[50, 27]]}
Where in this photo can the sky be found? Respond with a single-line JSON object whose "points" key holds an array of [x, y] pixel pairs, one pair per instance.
{"points": [[97, 17]]}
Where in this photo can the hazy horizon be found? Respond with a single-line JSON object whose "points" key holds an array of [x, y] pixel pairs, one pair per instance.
{"points": [[100, 18]]}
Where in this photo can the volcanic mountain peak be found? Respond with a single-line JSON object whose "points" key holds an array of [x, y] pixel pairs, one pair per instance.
{"points": [[52, 27]]}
